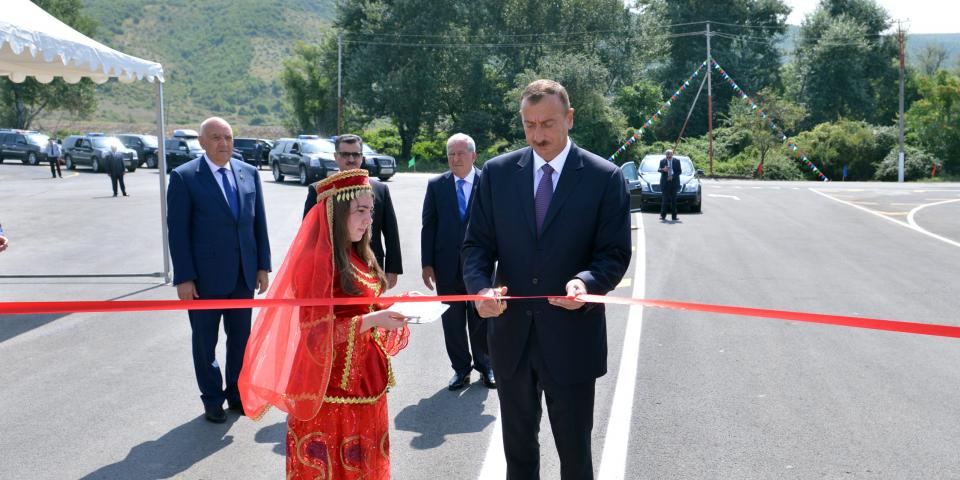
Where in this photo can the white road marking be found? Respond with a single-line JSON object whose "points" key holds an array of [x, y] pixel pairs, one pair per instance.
{"points": [[911, 223], [613, 463], [494, 464], [723, 196]]}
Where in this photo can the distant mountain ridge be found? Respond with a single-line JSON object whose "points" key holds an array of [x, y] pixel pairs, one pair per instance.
{"points": [[220, 57]]}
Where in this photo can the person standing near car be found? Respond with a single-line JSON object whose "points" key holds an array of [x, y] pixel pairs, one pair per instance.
{"points": [[384, 233], [669, 183], [53, 152], [114, 163]]}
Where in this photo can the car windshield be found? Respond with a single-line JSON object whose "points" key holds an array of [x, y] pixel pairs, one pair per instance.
{"points": [[369, 151], [245, 143], [193, 144], [37, 139], [318, 146], [149, 141], [652, 164], [107, 142]]}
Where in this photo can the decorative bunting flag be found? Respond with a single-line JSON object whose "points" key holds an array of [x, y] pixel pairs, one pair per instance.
{"points": [[656, 116]]}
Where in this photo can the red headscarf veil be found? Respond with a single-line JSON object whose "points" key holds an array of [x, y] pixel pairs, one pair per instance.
{"points": [[290, 350]]}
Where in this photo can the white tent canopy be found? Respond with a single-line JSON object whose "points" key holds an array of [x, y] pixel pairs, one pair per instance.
{"points": [[34, 43]]}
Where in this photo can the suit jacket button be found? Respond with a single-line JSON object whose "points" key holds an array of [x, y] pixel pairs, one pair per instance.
{"points": [[535, 281], [529, 313]]}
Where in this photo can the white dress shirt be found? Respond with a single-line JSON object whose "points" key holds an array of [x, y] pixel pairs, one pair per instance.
{"points": [[556, 164], [467, 183], [216, 174]]}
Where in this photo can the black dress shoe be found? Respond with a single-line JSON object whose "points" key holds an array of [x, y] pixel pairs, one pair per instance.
{"points": [[215, 414], [236, 406], [459, 381], [488, 379]]}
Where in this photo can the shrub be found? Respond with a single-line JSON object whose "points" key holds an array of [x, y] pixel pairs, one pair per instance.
{"points": [[917, 164]]}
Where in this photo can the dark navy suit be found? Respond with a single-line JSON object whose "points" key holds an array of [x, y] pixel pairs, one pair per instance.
{"points": [[537, 348], [441, 237], [221, 254]]}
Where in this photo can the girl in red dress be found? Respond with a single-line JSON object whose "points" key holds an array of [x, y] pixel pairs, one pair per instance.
{"points": [[328, 367]]}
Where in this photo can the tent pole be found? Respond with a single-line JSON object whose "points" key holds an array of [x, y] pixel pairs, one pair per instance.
{"points": [[162, 175]]}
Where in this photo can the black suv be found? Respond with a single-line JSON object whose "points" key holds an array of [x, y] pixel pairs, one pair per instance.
{"points": [[247, 147], [378, 165], [90, 149], [309, 158], [182, 148], [24, 145], [144, 145]]}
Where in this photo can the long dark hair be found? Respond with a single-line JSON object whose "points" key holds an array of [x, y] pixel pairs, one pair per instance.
{"points": [[342, 246]]}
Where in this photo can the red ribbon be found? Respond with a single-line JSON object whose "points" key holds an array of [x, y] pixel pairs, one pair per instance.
{"points": [[21, 308]]}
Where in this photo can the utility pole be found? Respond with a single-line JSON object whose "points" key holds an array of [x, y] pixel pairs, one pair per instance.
{"points": [[710, 101], [339, 83], [901, 39]]}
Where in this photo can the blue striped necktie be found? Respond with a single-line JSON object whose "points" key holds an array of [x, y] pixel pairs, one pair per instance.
{"points": [[230, 192]]}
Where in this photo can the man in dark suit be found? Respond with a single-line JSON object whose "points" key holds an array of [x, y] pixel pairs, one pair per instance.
{"points": [[555, 219], [113, 161], [384, 231], [669, 184], [446, 212], [218, 242]]}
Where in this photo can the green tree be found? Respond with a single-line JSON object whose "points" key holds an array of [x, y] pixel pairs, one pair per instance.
{"points": [[845, 66], [742, 118], [832, 145], [309, 91], [22, 102], [934, 120], [744, 43]]}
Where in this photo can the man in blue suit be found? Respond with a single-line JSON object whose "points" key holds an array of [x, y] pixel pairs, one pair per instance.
{"points": [[220, 250], [446, 212], [555, 219]]}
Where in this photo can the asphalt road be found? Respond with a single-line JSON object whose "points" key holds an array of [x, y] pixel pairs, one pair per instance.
{"points": [[707, 396]]}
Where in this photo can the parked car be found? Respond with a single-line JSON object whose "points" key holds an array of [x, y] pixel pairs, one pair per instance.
{"points": [[310, 159], [90, 149], [643, 183], [378, 165], [24, 145], [248, 149], [145, 146], [180, 150]]}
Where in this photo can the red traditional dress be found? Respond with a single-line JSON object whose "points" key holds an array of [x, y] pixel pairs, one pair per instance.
{"points": [[314, 362], [348, 438]]}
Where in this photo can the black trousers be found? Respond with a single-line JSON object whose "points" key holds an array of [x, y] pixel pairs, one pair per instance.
{"points": [[460, 323], [206, 328], [569, 406], [55, 167], [114, 179], [669, 199]]}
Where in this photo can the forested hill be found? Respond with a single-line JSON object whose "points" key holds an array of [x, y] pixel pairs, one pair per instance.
{"points": [[219, 56]]}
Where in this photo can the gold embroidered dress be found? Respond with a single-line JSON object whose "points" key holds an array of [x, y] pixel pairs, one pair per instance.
{"points": [[348, 438]]}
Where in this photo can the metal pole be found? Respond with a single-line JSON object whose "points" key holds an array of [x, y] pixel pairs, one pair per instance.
{"points": [[901, 39], [339, 83], [709, 101], [162, 174]]}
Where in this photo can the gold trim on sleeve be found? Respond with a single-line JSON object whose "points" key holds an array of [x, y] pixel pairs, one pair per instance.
{"points": [[348, 358]]}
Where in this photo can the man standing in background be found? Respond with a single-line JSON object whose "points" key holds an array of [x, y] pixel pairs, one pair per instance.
{"points": [[446, 212]]}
